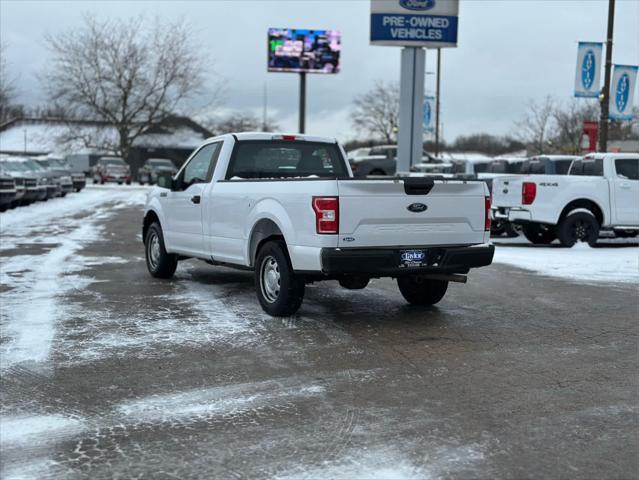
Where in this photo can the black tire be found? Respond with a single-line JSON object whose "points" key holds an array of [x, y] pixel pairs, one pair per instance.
{"points": [[101, 181], [539, 234], [579, 226], [159, 263], [63, 194], [418, 290], [279, 290]]}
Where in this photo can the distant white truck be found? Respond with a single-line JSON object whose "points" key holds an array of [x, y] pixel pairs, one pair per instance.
{"points": [[288, 207], [600, 192]]}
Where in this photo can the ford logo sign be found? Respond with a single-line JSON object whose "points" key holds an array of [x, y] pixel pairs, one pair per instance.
{"points": [[413, 256], [417, 4], [623, 90], [588, 70], [417, 207]]}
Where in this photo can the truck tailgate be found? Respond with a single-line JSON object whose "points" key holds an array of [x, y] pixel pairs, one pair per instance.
{"points": [[386, 213], [506, 191]]}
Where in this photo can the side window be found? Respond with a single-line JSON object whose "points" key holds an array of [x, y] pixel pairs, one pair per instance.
{"points": [[562, 166], [594, 167], [627, 168], [200, 167]]}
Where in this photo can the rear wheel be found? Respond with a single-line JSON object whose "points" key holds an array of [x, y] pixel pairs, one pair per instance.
{"points": [[418, 290], [279, 290], [159, 263], [539, 234], [581, 226]]}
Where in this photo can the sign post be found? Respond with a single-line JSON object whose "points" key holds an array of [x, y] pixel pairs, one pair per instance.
{"points": [[413, 24], [303, 51], [302, 113]]}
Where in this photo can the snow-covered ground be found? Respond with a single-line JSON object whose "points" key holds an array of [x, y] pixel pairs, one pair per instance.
{"points": [[581, 263], [57, 230]]}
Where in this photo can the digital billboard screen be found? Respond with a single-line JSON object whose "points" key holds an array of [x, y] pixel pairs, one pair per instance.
{"points": [[303, 51]]}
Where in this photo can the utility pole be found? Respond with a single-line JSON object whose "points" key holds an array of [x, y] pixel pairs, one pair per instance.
{"points": [[605, 97], [439, 67]]}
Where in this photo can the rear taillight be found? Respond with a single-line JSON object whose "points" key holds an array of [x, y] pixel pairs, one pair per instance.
{"points": [[326, 214], [487, 215], [528, 193]]}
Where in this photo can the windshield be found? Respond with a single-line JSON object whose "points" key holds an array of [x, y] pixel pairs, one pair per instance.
{"points": [[112, 161], [15, 167], [161, 163], [33, 166], [281, 159]]}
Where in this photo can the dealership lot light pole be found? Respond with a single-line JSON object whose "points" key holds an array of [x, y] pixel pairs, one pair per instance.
{"points": [[605, 99]]}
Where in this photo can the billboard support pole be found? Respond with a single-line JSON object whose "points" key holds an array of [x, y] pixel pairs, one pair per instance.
{"points": [[302, 113], [439, 67], [605, 98], [411, 106]]}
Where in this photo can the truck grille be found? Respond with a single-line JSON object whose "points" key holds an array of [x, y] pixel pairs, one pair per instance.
{"points": [[30, 182], [7, 183], [19, 181]]}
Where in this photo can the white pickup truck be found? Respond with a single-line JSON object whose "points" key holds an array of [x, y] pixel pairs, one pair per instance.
{"points": [[288, 207], [600, 192]]}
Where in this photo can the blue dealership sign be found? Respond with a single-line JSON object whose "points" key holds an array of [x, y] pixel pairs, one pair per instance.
{"points": [[417, 23], [587, 75], [623, 86]]}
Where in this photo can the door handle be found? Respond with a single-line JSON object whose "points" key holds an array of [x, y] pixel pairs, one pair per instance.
{"points": [[624, 185], [195, 199]]}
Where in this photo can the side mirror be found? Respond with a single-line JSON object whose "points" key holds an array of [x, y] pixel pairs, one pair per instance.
{"points": [[165, 180]]}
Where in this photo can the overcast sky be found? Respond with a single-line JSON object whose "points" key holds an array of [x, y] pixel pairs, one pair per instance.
{"points": [[509, 52]]}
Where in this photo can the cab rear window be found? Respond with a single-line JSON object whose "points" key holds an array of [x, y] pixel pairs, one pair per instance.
{"points": [[286, 159]]}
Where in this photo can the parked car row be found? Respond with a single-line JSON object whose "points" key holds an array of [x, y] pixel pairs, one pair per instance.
{"points": [[116, 170], [24, 180]]}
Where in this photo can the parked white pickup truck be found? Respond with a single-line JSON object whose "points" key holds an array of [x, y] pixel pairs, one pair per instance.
{"points": [[287, 207], [601, 191]]}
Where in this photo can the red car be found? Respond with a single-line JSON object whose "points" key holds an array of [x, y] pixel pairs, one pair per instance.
{"points": [[111, 169]]}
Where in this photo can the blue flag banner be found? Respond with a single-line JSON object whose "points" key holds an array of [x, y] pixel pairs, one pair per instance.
{"points": [[622, 88], [588, 73], [428, 118]]}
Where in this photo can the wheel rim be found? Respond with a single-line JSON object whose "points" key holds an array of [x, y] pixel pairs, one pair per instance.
{"points": [[270, 279], [582, 230], [153, 248]]}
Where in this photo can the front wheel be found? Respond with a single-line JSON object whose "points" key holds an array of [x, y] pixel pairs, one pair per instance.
{"points": [[538, 234], [279, 290], [159, 263], [418, 290], [579, 226]]}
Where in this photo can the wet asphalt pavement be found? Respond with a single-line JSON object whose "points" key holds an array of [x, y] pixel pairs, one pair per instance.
{"points": [[514, 375]]}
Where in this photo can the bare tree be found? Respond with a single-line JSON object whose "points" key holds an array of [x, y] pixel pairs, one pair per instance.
{"points": [[536, 126], [569, 120], [241, 122], [127, 74], [376, 112], [7, 85]]}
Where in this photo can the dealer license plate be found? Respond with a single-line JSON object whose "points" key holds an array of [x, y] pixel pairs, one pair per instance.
{"points": [[413, 258]]}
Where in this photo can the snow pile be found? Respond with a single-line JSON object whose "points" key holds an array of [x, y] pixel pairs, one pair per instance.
{"points": [[29, 430], [582, 263], [235, 399]]}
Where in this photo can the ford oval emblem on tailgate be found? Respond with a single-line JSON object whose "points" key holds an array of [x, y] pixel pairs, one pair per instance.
{"points": [[417, 207]]}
